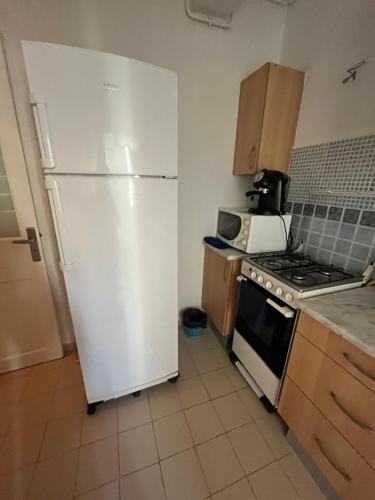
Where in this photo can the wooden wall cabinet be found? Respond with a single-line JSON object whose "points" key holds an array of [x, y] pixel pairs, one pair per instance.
{"points": [[267, 120], [329, 405], [220, 290]]}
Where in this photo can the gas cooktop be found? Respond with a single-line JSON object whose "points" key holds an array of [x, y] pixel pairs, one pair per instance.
{"points": [[302, 273]]}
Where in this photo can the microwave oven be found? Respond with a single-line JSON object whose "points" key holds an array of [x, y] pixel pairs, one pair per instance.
{"points": [[253, 233]]}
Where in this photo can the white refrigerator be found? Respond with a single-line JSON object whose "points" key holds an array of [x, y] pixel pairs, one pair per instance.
{"points": [[107, 129]]}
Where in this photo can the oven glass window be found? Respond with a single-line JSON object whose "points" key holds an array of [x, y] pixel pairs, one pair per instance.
{"points": [[266, 329], [229, 225]]}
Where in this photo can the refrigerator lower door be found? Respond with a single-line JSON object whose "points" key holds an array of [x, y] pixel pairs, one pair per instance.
{"points": [[121, 279]]}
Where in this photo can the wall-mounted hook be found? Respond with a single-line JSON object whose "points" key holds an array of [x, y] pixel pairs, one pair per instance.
{"points": [[353, 71]]}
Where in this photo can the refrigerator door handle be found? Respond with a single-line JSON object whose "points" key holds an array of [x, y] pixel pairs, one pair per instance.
{"points": [[43, 131], [57, 214]]}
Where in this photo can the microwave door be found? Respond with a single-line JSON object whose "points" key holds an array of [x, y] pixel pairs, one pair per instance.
{"points": [[228, 226]]}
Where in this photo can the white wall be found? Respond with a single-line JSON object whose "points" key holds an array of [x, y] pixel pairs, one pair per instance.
{"points": [[324, 39], [210, 64]]}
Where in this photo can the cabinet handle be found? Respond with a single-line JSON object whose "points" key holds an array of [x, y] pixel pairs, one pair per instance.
{"points": [[345, 411], [252, 157], [343, 474], [367, 374], [225, 271]]}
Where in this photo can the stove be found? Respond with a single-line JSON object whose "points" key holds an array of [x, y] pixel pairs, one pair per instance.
{"points": [[292, 276], [271, 286]]}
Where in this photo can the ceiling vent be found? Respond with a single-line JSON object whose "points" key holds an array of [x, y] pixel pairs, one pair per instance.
{"points": [[218, 12], [213, 12]]}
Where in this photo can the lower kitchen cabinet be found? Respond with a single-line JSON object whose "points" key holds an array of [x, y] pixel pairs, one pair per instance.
{"points": [[220, 290], [329, 405]]}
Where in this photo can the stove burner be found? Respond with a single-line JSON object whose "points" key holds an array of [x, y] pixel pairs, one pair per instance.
{"points": [[326, 271], [299, 277], [297, 258], [272, 264]]}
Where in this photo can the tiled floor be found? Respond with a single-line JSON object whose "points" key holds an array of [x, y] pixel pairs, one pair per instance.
{"points": [[205, 437]]}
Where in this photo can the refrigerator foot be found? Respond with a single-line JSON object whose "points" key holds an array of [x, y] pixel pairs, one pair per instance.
{"points": [[136, 394], [173, 380], [91, 407]]}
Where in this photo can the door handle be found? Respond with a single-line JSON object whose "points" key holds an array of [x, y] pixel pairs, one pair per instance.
{"points": [[32, 241], [285, 311]]}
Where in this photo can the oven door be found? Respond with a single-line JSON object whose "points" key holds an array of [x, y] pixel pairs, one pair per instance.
{"points": [[228, 226], [266, 324]]}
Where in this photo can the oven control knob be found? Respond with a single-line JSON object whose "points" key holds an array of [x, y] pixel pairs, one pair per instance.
{"points": [[288, 297], [253, 275], [246, 222], [245, 232], [279, 291], [260, 279], [269, 285], [243, 242]]}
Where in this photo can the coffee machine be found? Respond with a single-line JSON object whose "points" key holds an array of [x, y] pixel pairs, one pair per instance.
{"points": [[272, 188]]}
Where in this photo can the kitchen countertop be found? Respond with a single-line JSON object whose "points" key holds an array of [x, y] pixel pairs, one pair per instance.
{"points": [[350, 314], [227, 253]]}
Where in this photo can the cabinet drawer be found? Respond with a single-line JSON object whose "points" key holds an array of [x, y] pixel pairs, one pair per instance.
{"points": [[355, 361], [347, 403], [347, 472]]}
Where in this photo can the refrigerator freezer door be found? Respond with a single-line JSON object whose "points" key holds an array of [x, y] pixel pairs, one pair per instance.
{"points": [[122, 278], [105, 113]]}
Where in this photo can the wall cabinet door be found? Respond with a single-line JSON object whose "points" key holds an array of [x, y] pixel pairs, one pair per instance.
{"points": [[268, 112], [220, 290]]}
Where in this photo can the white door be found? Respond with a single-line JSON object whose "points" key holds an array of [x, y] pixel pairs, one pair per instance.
{"points": [[118, 246], [28, 327], [105, 113]]}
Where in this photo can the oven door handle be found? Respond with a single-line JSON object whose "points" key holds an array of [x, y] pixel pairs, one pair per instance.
{"points": [[285, 311]]}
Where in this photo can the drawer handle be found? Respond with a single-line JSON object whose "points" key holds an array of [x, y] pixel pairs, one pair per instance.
{"points": [[344, 474], [362, 425], [348, 357]]}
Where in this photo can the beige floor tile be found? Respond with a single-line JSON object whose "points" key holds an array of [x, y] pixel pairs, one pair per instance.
{"points": [[235, 377], [97, 464], [62, 434], [204, 422], [15, 486], [145, 484], [237, 491], [300, 478], [186, 368], [252, 403], [32, 411], [71, 376], [43, 367], [23, 372], [231, 411], [217, 383], [200, 344], [20, 448], [206, 361], [219, 463], [110, 491], [68, 401], [164, 400], [172, 435], [13, 389], [54, 478], [251, 448], [221, 357], [137, 448], [100, 425], [272, 429], [192, 392], [183, 477], [270, 483], [42, 383], [7, 411], [134, 411]]}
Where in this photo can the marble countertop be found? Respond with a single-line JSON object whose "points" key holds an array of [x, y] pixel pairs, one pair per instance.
{"points": [[228, 253], [350, 314]]}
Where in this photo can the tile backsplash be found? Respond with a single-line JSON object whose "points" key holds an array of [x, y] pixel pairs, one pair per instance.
{"points": [[338, 230]]}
